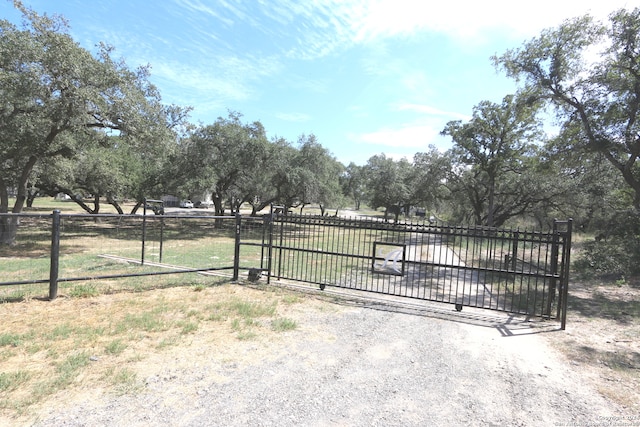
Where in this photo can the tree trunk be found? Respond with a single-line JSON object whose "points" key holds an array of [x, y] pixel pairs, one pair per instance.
{"points": [[9, 226], [115, 204], [8, 230], [135, 208], [21, 197], [4, 197]]}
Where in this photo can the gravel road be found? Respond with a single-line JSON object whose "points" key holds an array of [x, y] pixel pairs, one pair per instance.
{"points": [[358, 364]]}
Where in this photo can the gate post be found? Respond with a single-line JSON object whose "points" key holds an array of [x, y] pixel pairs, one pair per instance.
{"points": [[55, 255], [236, 253], [555, 243], [564, 274], [268, 223]]}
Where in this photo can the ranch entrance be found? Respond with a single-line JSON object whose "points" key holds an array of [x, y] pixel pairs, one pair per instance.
{"points": [[510, 270], [515, 271]]}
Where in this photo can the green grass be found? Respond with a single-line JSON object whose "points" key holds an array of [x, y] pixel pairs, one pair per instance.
{"points": [[148, 321], [283, 324], [124, 381], [13, 380], [14, 340], [115, 347]]}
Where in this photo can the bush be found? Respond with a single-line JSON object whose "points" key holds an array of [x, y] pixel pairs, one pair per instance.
{"points": [[615, 250]]}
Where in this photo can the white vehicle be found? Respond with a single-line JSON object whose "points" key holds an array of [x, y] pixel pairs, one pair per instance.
{"points": [[186, 204]]}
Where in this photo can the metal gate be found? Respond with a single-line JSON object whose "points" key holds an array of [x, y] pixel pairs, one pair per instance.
{"points": [[516, 271]]}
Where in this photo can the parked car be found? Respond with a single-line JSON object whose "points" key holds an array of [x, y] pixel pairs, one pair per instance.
{"points": [[203, 204], [186, 204]]}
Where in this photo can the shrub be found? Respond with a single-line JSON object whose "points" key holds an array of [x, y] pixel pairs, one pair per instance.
{"points": [[616, 250]]}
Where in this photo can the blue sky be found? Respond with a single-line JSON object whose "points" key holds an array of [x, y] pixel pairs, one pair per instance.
{"points": [[365, 76]]}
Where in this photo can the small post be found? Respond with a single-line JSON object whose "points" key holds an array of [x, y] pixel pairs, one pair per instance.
{"points": [[55, 255], [236, 255]]}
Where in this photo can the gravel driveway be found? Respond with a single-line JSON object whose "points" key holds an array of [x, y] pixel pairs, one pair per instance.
{"points": [[358, 364]]}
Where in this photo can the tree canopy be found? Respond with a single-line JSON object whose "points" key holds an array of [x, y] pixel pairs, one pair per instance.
{"points": [[597, 101]]}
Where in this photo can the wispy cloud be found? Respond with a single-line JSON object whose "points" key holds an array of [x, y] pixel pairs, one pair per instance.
{"points": [[430, 111], [293, 117], [408, 136]]}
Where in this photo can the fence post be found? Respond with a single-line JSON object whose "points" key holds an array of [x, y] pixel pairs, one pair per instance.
{"points": [[236, 255], [555, 248], [144, 230], [55, 255], [564, 277]]}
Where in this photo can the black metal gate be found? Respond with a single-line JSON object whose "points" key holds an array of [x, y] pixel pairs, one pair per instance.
{"points": [[515, 271]]}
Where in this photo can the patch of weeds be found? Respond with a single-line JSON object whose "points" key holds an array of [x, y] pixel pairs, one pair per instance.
{"points": [[149, 322], [291, 299], [236, 325], [60, 332], [12, 380], [70, 366], [187, 327], [216, 317], [250, 310], [83, 291], [198, 288], [124, 380], [66, 371], [192, 313], [6, 354], [246, 335], [115, 347], [33, 348], [12, 340], [283, 324], [167, 342], [216, 313], [88, 333]]}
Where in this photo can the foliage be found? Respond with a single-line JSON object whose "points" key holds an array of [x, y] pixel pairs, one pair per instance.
{"points": [[221, 159], [494, 150], [616, 251], [428, 179], [388, 183], [598, 102], [353, 184], [59, 101]]}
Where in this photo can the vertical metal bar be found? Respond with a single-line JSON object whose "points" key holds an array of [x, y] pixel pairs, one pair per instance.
{"points": [[161, 237], [236, 255], [566, 260], [55, 255], [280, 248], [270, 247], [554, 268], [144, 230]]}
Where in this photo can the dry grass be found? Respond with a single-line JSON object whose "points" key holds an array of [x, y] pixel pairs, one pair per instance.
{"points": [[602, 339], [96, 342]]}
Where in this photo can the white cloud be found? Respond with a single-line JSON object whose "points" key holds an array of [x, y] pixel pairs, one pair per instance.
{"points": [[293, 117], [469, 19], [430, 111], [324, 26], [409, 136]]}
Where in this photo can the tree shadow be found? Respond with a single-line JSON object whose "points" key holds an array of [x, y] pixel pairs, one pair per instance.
{"points": [[601, 306]]}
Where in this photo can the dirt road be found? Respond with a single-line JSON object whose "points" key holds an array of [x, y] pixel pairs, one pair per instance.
{"points": [[355, 364]]}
